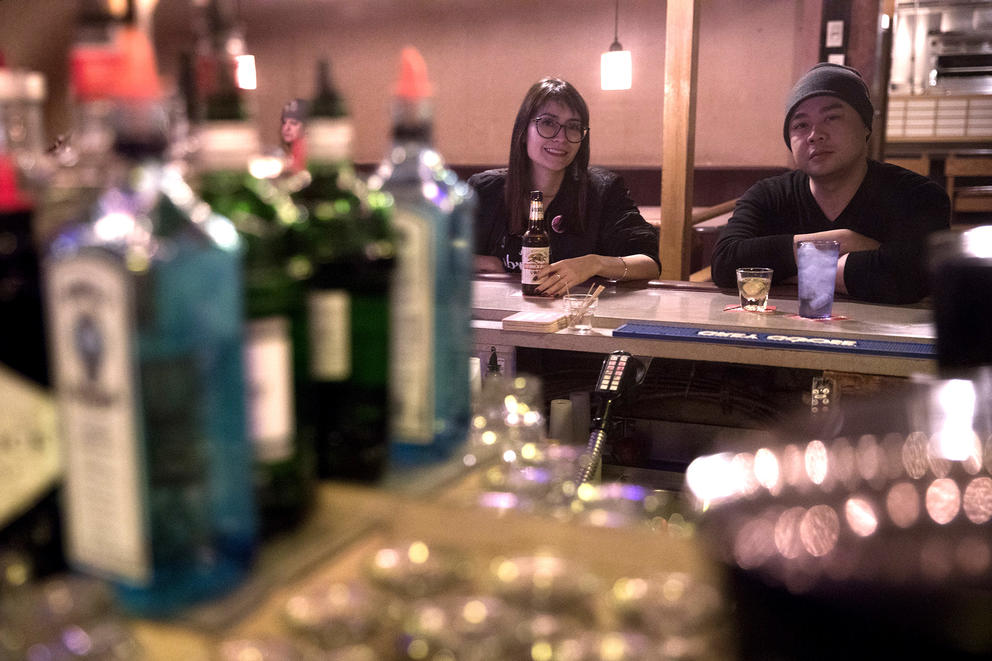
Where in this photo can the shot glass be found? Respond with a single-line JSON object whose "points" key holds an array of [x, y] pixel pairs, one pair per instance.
{"points": [[581, 310], [753, 285], [817, 263]]}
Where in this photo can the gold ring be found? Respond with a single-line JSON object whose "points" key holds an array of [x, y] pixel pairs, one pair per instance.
{"points": [[558, 275]]}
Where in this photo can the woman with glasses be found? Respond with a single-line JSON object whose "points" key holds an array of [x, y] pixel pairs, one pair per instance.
{"points": [[594, 226]]}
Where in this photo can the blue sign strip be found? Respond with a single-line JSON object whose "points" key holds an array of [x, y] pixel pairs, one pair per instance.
{"points": [[784, 340]]}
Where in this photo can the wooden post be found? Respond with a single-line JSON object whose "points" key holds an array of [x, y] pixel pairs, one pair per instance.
{"points": [[679, 135]]}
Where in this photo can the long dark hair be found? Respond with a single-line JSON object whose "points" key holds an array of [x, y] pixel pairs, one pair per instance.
{"points": [[518, 179]]}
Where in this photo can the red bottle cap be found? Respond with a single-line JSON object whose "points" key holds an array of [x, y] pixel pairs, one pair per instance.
{"points": [[413, 83], [11, 197], [138, 74], [124, 69]]}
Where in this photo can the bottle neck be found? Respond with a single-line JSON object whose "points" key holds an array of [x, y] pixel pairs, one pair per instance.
{"points": [[536, 223], [413, 121], [140, 130]]}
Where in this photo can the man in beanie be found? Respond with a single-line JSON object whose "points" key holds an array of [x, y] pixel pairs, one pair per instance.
{"points": [[880, 213]]}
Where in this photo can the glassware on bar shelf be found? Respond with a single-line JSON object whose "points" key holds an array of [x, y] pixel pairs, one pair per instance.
{"points": [[865, 528], [265, 648], [545, 582], [467, 627], [666, 604], [334, 614], [416, 569], [64, 616]]}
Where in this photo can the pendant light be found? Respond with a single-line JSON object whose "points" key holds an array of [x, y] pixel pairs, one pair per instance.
{"points": [[615, 64]]}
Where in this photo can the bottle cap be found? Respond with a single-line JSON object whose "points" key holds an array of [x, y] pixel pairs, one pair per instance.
{"points": [[11, 197], [413, 83], [137, 76]]}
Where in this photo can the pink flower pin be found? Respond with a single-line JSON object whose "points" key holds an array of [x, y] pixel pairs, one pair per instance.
{"points": [[556, 224]]}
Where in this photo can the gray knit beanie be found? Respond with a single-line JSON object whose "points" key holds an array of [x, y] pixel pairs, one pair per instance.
{"points": [[295, 109], [834, 80]]}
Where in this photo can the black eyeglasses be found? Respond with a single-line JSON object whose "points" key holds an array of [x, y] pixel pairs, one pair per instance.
{"points": [[548, 127]]}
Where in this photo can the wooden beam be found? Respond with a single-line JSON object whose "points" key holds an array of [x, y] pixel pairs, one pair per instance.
{"points": [[679, 135]]}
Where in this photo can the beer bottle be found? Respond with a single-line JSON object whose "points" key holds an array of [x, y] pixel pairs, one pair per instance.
{"points": [[535, 251]]}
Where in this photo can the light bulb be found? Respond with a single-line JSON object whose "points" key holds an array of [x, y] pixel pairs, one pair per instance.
{"points": [[616, 70]]}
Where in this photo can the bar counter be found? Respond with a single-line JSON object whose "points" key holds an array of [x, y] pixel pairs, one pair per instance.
{"points": [[863, 338]]}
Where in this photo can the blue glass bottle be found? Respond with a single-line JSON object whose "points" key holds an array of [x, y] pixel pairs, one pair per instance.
{"points": [[432, 286], [144, 301]]}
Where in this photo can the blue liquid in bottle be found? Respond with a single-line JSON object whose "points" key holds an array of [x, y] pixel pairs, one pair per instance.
{"points": [[145, 303], [431, 299]]}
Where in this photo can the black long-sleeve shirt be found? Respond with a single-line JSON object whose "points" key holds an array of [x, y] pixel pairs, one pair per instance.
{"points": [[896, 207], [614, 225]]}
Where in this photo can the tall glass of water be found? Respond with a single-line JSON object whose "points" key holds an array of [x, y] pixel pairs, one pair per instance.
{"points": [[817, 262]]}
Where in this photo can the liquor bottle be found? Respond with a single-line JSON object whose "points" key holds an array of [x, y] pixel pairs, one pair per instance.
{"points": [[347, 240], [493, 367], [30, 465], [535, 248], [145, 311], [275, 329], [431, 302], [37, 192]]}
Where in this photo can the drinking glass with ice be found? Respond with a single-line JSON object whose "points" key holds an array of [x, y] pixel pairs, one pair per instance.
{"points": [[817, 263]]}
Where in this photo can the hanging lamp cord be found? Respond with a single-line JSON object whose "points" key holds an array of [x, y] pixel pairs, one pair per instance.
{"points": [[616, 21]]}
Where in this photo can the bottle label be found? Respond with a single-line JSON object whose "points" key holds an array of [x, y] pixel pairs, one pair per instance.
{"points": [[30, 460], [90, 305], [329, 139], [411, 366], [269, 373], [532, 260], [329, 319]]}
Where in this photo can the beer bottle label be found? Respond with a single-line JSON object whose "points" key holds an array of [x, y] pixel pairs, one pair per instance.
{"points": [[532, 261]]}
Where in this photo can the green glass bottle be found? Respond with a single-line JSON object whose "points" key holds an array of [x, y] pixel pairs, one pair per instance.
{"points": [[275, 331], [347, 235]]}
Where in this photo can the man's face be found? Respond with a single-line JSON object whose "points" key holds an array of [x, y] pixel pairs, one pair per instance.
{"points": [[290, 130], [827, 137]]}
